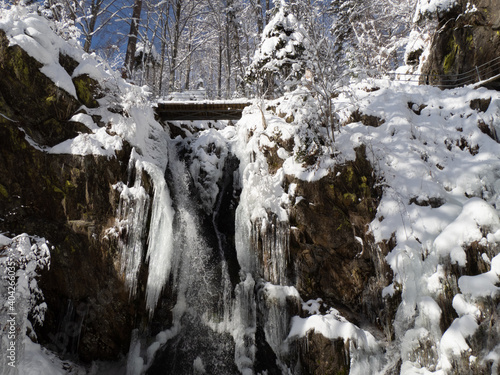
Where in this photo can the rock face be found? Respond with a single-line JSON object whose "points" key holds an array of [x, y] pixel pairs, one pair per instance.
{"points": [[32, 99], [67, 199], [331, 255], [468, 36], [330, 251]]}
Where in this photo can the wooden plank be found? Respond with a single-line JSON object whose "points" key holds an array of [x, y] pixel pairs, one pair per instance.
{"points": [[200, 111]]}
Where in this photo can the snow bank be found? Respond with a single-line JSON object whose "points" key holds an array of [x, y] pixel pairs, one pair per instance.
{"points": [[441, 194], [38, 360], [483, 285], [476, 216], [33, 34]]}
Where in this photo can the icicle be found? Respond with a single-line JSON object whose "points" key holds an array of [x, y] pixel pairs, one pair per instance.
{"points": [[274, 254], [160, 239], [277, 301], [132, 217], [245, 316], [132, 224]]}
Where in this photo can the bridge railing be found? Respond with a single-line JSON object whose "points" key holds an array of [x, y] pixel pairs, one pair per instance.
{"points": [[486, 72]]}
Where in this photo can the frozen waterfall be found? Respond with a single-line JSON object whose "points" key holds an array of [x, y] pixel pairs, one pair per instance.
{"points": [[133, 215]]}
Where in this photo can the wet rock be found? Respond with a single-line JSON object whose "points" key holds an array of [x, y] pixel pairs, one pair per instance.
{"points": [[465, 40], [480, 104], [329, 245], [489, 130], [317, 355], [365, 119], [417, 109], [87, 90]]}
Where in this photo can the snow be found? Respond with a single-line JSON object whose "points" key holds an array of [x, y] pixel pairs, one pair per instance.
{"points": [[85, 120], [33, 34], [37, 361], [312, 306], [441, 194], [482, 285], [434, 7], [333, 327], [454, 339], [209, 153], [476, 214], [462, 307], [98, 143]]}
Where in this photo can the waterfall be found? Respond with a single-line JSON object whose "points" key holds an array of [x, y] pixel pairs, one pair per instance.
{"points": [[133, 215], [244, 325], [218, 313], [180, 254]]}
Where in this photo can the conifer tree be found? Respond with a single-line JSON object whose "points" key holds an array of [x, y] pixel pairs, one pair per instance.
{"points": [[281, 59]]}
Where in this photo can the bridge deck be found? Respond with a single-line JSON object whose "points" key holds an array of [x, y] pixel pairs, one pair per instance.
{"points": [[171, 111]]}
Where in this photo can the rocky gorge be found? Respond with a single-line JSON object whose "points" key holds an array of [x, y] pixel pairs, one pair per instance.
{"points": [[256, 247]]}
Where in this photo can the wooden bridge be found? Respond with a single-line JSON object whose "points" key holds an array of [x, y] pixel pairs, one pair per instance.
{"points": [[170, 111]]}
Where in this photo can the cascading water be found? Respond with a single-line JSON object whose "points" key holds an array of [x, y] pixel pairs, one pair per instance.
{"points": [[179, 255], [231, 287]]}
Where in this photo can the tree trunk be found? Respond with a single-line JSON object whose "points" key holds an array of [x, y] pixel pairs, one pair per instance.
{"points": [[229, 22], [132, 38], [163, 55], [260, 21], [188, 68], [175, 45], [94, 11], [219, 78], [268, 7]]}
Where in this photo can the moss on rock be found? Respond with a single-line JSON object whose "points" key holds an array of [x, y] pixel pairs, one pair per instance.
{"points": [[32, 100], [86, 88], [465, 40]]}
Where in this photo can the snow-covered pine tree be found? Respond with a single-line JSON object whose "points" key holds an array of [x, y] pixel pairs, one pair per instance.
{"points": [[282, 58]]}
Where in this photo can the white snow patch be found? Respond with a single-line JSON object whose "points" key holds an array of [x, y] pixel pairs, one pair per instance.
{"points": [[332, 326], [466, 228]]}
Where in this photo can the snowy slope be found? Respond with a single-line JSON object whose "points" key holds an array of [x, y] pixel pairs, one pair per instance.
{"points": [[440, 174]]}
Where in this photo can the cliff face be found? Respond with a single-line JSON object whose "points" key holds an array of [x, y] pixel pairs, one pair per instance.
{"points": [[69, 200], [468, 36]]}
